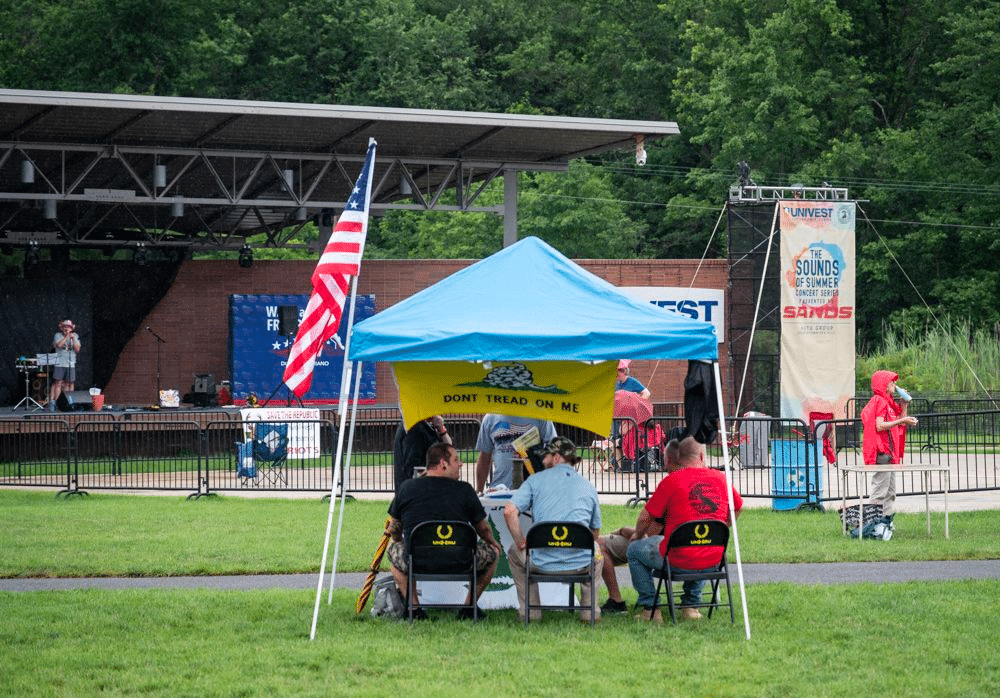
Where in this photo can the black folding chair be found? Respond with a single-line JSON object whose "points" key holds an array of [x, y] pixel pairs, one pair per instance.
{"points": [[552, 536], [696, 534], [441, 551]]}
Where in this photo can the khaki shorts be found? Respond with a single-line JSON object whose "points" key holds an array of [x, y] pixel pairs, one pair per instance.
{"points": [[617, 548]]}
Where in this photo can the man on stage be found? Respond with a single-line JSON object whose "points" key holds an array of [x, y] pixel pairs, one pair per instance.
{"points": [[67, 345]]}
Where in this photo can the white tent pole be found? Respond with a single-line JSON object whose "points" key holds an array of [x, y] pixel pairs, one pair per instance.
{"points": [[342, 409], [347, 476], [729, 494], [756, 312]]}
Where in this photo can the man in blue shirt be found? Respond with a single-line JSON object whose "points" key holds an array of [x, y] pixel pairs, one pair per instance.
{"points": [[558, 493]]}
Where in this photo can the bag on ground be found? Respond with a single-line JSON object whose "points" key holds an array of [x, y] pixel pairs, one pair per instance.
{"points": [[873, 525], [388, 602]]}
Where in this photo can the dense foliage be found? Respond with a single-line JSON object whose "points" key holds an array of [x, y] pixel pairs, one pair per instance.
{"points": [[895, 99]]}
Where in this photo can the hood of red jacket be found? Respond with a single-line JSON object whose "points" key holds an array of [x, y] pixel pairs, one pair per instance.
{"points": [[880, 381]]}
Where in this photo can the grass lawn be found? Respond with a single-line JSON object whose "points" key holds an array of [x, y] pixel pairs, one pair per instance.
{"points": [[905, 639]]}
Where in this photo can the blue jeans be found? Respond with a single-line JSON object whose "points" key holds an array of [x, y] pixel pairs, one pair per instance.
{"points": [[644, 557]]}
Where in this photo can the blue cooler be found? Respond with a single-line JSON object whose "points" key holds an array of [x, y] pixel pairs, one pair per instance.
{"points": [[788, 474]]}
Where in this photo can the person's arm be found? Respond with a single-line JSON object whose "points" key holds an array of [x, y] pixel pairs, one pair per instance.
{"points": [[486, 533], [645, 393], [513, 517], [395, 529], [483, 464], [437, 423], [643, 524], [882, 424]]}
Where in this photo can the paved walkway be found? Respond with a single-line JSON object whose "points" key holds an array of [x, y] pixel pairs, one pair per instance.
{"points": [[805, 573]]}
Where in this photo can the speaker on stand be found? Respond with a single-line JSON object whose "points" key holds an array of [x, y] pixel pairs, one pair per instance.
{"points": [[288, 320]]}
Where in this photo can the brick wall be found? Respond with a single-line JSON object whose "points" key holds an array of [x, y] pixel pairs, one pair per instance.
{"points": [[193, 317]]}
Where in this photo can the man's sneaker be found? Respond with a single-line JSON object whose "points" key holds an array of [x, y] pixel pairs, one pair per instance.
{"points": [[466, 614], [612, 606], [690, 614]]}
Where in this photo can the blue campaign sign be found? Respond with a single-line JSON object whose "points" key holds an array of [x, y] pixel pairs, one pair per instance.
{"points": [[258, 350]]}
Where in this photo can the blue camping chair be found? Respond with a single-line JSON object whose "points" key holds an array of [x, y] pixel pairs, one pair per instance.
{"points": [[261, 461]]}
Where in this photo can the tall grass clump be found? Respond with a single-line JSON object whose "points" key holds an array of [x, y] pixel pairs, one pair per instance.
{"points": [[950, 358]]}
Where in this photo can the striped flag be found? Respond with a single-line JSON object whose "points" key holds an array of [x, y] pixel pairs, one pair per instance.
{"points": [[331, 280]]}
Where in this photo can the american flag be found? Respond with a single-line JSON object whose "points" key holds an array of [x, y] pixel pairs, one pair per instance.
{"points": [[330, 281]]}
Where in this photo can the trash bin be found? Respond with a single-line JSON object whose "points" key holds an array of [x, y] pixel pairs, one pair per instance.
{"points": [[754, 437], [789, 471]]}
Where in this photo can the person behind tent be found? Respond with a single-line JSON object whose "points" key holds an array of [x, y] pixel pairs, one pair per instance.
{"points": [[495, 444], [409, 446], [884, 422], [642, 448], [626, 381]]}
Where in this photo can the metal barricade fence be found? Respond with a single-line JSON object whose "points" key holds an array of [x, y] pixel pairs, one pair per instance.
{"points": [[198, 453], [36, 453]]}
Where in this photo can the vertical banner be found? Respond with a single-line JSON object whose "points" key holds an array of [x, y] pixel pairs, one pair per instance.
{"points": [[817, 307]]}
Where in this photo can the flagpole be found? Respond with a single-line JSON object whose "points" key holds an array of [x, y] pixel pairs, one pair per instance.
{"points": [[347, 472], [354, 226], [729, 494], [342, 413]]}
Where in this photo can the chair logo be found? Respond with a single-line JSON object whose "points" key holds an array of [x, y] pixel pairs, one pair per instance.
{"points": [[701, 535], [559, 539], [444, 533]]}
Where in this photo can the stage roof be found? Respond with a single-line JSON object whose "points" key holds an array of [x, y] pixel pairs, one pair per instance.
{"points": [[99, 169]]}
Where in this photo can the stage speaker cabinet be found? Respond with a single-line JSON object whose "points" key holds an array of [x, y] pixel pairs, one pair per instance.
{"points": [[75, 401], [204, 383], [288, 320]]}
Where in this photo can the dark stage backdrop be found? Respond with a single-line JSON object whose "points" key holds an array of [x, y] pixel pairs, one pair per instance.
{"points": [[107, 301], [29, 315]]}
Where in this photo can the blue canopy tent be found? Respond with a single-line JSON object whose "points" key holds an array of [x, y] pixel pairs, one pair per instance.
{"points": [[529, 301]]}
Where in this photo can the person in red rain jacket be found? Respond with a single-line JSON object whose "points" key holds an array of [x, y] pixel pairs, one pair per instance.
{"points": [[884, 422]]}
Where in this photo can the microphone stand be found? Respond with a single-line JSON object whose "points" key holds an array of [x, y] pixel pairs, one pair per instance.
{"points": [[159, 341]]}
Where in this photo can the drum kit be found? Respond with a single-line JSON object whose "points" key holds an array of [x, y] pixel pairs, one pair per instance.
{"points": [[35, 370]]}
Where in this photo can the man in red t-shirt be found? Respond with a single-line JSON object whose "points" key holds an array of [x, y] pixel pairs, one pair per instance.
{"points": [[694, 491]]}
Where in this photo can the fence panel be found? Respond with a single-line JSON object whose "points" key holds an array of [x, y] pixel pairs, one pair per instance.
{"points": [[137, 455], [36, 452], [293, 456]]}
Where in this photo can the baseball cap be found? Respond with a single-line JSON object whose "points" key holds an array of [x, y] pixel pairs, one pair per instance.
{"points": [[67, 323], [564, 447]]}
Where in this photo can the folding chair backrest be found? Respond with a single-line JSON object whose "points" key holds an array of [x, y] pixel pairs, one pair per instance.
{"points": [[270, 441], [702, 533], [553, 536], [559, 535], [441, 547]]}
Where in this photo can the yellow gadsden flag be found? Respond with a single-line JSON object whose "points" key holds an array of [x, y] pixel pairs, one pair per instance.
{"points": [[567, 392]]}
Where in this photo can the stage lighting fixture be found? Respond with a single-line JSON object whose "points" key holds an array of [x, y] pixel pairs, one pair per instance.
{"points": [[177, 209], [159, 176], [246, 256], [31, 256], [27, 172], [140, 254], [49, 210], [404, 185]]}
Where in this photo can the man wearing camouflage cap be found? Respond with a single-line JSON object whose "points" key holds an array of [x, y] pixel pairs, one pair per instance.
{"points": [[558, 493]]}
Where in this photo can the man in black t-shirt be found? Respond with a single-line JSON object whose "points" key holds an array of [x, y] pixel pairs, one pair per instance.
{"points": [[440, 495]]}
